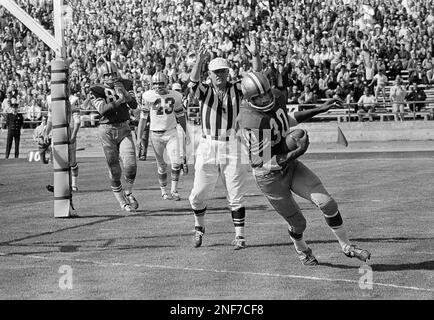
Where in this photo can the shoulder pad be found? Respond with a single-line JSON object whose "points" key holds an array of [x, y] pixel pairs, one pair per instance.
{"points": [[128, 84], [252, 119], [98, 91]]}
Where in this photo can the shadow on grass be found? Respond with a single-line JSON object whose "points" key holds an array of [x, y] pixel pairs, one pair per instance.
{"points": [[424, 265]]}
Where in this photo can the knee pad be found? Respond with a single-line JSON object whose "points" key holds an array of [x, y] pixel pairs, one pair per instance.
{"points": [[297, 223], [325, 203], [330, 209], [162, 169]]}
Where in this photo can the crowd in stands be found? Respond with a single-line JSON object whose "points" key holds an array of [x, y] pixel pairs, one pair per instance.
{"points": [[311, 49]]}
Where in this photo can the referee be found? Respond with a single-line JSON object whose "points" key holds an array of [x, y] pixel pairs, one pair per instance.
{"points": [[218, 153]]}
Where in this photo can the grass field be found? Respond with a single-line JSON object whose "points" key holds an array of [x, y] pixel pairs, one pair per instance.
{"points": [[386, 203]]}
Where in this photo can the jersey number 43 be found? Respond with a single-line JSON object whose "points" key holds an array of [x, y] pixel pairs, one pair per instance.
{"points": [[165, 106]]}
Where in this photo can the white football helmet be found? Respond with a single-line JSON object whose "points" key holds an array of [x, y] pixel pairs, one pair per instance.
{"points": [[257, 91], [108, 73], [159, 82]]}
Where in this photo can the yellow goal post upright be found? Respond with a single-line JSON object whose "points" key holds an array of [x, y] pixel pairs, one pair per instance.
{"points": [[59, 107]]}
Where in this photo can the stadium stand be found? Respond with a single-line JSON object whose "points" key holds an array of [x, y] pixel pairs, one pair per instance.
{"points": [[311, 44]]}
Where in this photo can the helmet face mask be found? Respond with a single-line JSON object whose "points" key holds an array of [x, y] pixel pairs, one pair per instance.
{"points": [[263, 101], [159, 83], [257, 91], [108, 73]]}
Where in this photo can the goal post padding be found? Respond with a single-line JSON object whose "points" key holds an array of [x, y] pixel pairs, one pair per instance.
{"points": [[60, 131]]}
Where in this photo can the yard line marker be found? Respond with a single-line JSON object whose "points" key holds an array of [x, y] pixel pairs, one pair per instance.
{"points": [[262, 274]]}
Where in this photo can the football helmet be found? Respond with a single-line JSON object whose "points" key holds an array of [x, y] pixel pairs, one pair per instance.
{"points": [[257, 91], [159, 82], [108, 73]]}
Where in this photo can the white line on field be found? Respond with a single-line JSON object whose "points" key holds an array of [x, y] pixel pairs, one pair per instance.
{"points": [[261, 274]]}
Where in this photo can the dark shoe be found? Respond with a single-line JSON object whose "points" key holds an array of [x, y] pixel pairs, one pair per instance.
{"points": [[355, 252], [307, 258], [197, 236], [50, 187], [239, 243]]}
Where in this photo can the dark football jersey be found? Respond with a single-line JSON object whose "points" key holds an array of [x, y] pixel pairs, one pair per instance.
{"points": [[263, 132], [104, 95]]}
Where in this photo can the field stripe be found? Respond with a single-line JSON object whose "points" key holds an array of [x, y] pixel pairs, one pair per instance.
{"points": [[261, 274]]}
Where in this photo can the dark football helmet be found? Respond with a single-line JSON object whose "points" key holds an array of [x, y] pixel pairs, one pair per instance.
{"points": [[257, 91]]}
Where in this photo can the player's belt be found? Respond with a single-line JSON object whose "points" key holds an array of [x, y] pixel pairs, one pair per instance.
{"points": [[216, 138], [159, 131]]}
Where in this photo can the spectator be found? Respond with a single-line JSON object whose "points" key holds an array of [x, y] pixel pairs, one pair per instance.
{"points": [[418, 75], [307, 97], [33, 113], [416, 94], [397, 98], [381, 81], [294, 95], [366, 104]]}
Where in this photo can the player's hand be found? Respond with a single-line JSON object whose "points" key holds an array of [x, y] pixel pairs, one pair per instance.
{"points": [[253, 45], [337, 103], [202, 54], [303, 143]]}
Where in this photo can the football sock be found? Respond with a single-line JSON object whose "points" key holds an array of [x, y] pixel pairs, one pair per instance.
{"points": [[341, 235], [128, 186], [119, 195], [297, 239], [238, 218], [199, 218], [239, 232], [335, 223], [73, 181], [175, 178]]}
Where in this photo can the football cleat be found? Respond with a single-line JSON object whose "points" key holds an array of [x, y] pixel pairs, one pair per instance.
{"points": [[307, 258], [126, 207], [354, 252], [74, 188], [132, 200], [165, 196], [197, 236], [239, 243], [142, 158], [50, 187], [175, 196]]}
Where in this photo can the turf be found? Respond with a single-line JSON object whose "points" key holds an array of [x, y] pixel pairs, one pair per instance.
{"points": [[386, 203]]}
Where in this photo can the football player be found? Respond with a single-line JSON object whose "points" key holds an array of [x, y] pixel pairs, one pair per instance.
{"points": [[165, 111], [74, 126], [113, 99], [264, 124]]}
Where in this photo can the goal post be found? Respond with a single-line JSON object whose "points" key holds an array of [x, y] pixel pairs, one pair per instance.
{"points": [[59, 107]]}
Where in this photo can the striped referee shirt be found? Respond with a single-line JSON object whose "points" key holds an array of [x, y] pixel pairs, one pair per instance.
{"points": [[218, 115]]}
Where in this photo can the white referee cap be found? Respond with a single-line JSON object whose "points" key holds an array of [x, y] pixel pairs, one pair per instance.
{"points": [[217, 64]]}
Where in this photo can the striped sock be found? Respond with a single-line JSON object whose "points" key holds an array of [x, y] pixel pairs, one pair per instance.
{"points": [[119, 195], [199, 218], [238, 218]]}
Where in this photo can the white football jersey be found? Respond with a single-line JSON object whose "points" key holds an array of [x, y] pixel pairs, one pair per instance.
{"points": [[163, 109], [75, 110]]}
